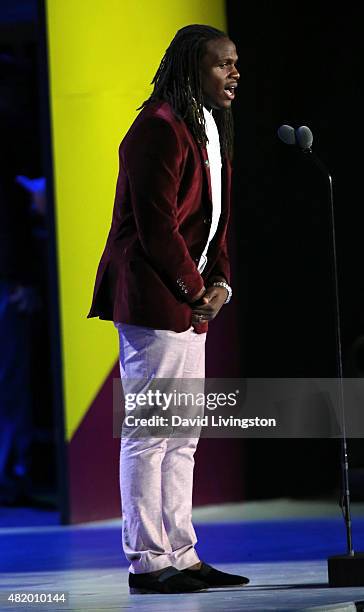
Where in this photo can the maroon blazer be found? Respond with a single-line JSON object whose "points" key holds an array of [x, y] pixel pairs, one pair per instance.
{"points": [[161, 219]]}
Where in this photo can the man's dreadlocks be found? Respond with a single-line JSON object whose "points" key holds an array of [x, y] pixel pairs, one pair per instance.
{"points": [[178, 82]]}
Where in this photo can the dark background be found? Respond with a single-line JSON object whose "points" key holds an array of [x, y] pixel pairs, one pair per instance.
{"points": [[302, 66], [22, 151]]}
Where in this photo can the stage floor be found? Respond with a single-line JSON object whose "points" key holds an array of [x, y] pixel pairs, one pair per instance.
{"points": [[285, 559], [274, 586]]}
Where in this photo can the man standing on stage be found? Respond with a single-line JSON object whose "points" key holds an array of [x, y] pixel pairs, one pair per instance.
{"points": [[163, 276]]}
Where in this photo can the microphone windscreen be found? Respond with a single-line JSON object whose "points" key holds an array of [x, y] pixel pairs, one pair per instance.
{"points": [[287, 134], [304, 137]]}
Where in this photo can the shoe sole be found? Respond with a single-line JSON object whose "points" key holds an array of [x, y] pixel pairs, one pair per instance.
{"points": [[136, 591], [227, 586]]}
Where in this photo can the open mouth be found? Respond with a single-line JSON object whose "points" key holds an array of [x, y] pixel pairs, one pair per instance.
{"points": [[230, 91]]}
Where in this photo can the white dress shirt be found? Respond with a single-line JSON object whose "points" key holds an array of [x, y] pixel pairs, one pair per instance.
{"points": [[214, 156]]}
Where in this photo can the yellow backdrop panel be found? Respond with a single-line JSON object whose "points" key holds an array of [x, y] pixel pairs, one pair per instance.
{"points": [[102, 56]]}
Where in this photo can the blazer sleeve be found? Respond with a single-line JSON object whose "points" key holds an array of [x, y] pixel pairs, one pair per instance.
{"points": [[153, 160], [221, 269]]}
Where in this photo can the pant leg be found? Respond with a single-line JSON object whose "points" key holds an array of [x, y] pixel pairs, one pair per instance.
{"points": [[178, 464], [145, 488], [145, 542]]}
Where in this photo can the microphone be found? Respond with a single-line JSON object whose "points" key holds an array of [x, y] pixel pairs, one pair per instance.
{"points": [[287, 134], [348, 569], [304, 137]]}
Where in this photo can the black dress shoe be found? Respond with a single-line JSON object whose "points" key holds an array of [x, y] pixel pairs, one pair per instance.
{"points": [[170, 580], [215, 578]]}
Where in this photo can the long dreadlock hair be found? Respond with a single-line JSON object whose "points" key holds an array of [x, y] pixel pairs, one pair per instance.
{"points": [[178, 82]]}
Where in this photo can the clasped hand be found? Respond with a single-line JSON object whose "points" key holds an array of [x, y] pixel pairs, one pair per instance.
{"points": [[208, 306]]}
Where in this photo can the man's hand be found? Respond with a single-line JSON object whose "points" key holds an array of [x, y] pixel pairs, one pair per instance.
{"points": [[199, 295], [207, 308]]}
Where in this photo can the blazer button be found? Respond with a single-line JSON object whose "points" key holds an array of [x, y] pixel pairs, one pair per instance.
{"points": [[207, 221]]}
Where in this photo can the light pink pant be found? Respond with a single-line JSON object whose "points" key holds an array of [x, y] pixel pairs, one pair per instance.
{"points": [[156, 474]]}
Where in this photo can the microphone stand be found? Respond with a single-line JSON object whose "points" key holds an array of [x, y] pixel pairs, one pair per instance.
{"points": [[344, 570]]}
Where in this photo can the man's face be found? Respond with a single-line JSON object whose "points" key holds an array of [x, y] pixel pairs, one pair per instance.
{"points": [[219, 74]]}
